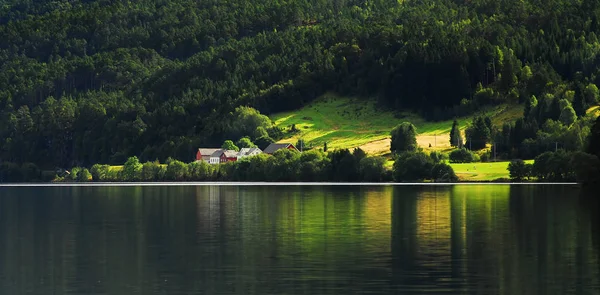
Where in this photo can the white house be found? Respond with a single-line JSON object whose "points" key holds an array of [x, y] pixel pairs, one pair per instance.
{"points": [[248, 152]]}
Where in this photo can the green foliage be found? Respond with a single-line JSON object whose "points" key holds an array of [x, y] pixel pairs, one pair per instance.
{"points": [[404, 138], [531, 107], [229, 145], [417, 166], [99, 172], [199, 171], [132, 170], [260, 132], [593, 146], [455, 136], [158, 81], [443, 173], [586, 167], [568, 115], [553, 166], [437, 157], [84, 175], [372, 169], [245, 142], [300, 144], [462, 156], [567, 166], [591, 94], [263, 142], [246, 120], [412, 166], [176, 171], [73, 175], [479, 133], [152, 171], [314, 166], [519, 170]]}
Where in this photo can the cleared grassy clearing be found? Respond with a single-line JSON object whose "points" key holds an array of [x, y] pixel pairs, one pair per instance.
{"points": [[118, 168], [345, 122], [339, 121], [482, 171]]}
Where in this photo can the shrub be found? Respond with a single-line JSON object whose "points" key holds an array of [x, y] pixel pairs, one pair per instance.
{"points": [[463, 156], [586, 166], [443, 173], [412, 166], [229, 145], [245, 142], [199, 171], [404, 138], [132, 170], [113, 175], [518, 170], [152, 171], [372, 168], [84, 175], [437, 157], [176, 170], [72, 176], [553, 166], [99, 172]]}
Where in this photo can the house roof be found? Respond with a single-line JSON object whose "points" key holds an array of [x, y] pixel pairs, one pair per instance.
{"points": [[217, 153], [248, 151], [276, 146], [207, 152], [231, 154]]}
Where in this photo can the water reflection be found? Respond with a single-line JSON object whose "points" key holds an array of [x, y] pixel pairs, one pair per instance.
{"points": [[298, 240]]}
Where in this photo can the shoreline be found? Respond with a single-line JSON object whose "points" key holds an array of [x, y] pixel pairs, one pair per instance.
{"points": [[185, 183]]}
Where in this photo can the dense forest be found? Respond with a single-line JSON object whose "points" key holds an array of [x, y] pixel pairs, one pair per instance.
{"points": [[85, 82]]}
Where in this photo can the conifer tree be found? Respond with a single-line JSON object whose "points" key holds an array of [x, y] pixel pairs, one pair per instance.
{"points": [[455, 137]]}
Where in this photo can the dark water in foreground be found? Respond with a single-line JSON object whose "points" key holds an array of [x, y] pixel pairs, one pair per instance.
{"points": [[485, 239]]}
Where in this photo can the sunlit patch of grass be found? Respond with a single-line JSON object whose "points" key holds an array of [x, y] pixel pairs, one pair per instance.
{"points": [[341, 122], [482, 171], [115, 168], [594, 111], [345, 122]]}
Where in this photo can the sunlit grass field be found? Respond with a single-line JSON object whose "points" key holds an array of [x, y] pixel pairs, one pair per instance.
{"points": [[345, 122], [482, 171]]}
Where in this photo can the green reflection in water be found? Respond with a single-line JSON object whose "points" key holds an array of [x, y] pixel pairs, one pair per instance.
{"points": [[497, 239]]}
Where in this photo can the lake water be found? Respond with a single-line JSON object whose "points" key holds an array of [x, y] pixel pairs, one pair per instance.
{"points": [[463, 239]]}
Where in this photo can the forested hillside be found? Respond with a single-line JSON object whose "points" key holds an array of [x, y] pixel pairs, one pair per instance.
{"points": [[84, 82]]}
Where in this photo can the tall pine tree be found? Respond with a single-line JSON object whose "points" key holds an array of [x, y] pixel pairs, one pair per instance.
{"points": [[478, 134], [455, 137]]}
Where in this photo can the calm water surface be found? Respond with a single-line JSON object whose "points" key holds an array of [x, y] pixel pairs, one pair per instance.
{"points": [[460, 239]]}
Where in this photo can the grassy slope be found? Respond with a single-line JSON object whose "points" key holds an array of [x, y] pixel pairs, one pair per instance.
{"points": [[348, 123], [345, 122]]}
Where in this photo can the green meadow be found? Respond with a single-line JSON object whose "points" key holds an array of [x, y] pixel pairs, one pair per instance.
{"points": [[345, 122], [482, 171]]}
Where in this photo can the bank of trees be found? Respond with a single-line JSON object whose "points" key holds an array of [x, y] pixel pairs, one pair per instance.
{"points": [[84, 82], [284, 165]]}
